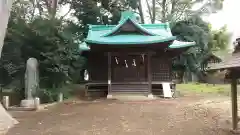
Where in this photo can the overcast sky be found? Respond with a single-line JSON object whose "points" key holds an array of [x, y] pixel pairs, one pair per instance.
{"points": [[229, 15]]}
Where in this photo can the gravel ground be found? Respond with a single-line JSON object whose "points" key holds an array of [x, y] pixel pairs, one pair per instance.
{"points": [[182, 116]]}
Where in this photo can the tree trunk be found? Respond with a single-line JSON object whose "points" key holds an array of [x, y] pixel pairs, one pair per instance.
{"points": [[141, 11], [149, 10], [164, 8], [53, 8], [153, 11]]}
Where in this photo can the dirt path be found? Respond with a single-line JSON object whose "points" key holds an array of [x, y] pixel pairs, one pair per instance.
{"points": [[6, 120], [160, 117]]}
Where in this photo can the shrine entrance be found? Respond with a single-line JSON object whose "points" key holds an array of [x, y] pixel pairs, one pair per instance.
{"points": [[129, 68], [131, 57]]}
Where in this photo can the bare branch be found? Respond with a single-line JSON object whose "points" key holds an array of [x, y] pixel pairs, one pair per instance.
{"points": [[149, 10], [39, 7], [62, 17], [47, 5], [180, 13]]}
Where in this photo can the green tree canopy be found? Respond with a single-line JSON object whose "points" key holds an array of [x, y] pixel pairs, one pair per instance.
{"points": [[50, 40], [219, 39], [193, 29]]}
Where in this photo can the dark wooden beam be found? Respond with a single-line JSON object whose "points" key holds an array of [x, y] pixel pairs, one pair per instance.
{"points": [[108, 48], [234, 104], [127, 52], [149, 72], [109, 72]]}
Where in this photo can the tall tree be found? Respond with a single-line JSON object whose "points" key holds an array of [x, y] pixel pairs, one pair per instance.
{"points": [[43, 35], [193, 29], [175, 10], [103, 11]]}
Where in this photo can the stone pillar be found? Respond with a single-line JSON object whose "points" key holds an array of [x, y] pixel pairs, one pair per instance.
{"points": [[31, 82], [6, 102], [60, 97], [36, 103]]}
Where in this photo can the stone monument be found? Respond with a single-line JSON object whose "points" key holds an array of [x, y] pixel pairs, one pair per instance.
{"points": [[31, 82]]}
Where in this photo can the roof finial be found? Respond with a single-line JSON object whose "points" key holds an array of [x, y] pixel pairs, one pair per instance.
{"points": [[131, 15]]}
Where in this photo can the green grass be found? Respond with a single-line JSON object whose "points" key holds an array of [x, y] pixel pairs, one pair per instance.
{"points": [[203, 88]]}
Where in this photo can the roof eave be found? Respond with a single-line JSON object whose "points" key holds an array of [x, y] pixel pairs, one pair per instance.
{"points": [[83, 47], [187, 44], [131, 43]]}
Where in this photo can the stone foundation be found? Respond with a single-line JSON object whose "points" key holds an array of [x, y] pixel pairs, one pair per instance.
{"points": [[28, 103]]}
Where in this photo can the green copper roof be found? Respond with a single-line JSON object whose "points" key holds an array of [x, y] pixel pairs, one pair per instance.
{"points": [[175, 45], [84, 47], [131, 39], [180, 44], [102, 34], [129, 31]]}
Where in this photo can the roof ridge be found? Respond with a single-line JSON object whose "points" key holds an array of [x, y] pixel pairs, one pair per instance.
{"points": [[123, 21], [148, 26]]}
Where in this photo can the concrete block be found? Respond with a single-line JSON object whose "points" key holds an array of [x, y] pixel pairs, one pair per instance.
{"points": [[60, 97], [36, 103], [6, 102], [109, 96]]}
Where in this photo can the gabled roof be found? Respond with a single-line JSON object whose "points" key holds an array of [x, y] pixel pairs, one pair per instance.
{"points": [[107, 34], [232, 61], [130, 32], [209, 56], [223, 54]]}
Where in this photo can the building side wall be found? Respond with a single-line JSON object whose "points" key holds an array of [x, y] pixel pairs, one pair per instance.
{"points": [[161, 68], [98, 67]]}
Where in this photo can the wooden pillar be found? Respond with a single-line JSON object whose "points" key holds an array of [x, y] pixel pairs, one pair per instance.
{"points": [[234, 104], [109, 73], [149, 72]]}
